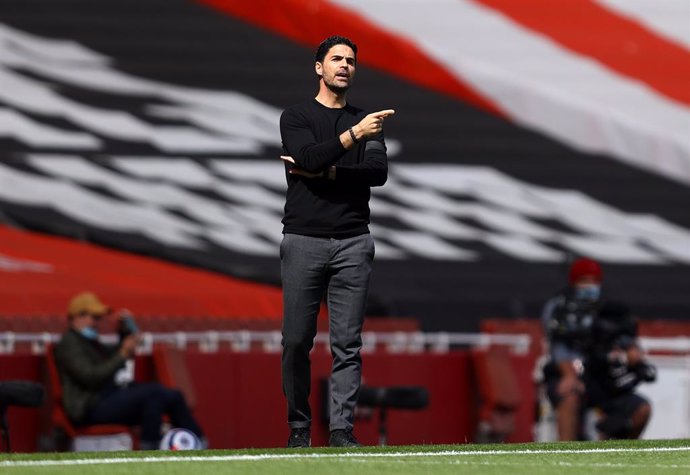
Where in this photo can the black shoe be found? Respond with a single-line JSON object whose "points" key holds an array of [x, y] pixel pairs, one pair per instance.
{"points": [[300, 438], [343, 438]]}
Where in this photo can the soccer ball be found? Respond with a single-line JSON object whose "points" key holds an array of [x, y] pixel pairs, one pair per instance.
{"points": [[180, 439]]}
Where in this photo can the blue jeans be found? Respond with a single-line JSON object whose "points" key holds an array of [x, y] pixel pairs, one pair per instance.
{"points": [[144, 404], [340, 269]]}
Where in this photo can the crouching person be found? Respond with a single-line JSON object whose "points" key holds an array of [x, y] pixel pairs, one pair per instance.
{"points": [[615, 365]]}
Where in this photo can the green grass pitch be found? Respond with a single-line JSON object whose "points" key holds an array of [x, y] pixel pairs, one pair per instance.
{"points": [[610, 458]]}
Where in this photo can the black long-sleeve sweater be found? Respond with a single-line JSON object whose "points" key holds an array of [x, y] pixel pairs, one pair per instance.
{"points": [[321, 207]]}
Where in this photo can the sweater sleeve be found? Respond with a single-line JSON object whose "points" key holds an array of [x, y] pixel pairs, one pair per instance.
{"points": [[300, 143], [372, 171]]}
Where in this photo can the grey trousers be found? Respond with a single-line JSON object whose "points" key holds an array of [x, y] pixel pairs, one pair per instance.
{"points": [[340, 268]]}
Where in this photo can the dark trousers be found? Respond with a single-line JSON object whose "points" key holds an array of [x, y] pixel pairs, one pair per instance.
{"points": [[340, 268], [144, 404]]}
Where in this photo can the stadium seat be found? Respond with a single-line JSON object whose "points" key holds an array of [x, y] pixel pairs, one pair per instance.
{"points": [[95, 437], [499, 393], [392, 397]]}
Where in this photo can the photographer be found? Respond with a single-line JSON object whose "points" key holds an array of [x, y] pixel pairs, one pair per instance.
{"points": [[615, 365], [568, 319], [88, 369]]}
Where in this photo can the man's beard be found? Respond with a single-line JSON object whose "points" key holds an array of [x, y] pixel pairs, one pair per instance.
{"points": [[336, 88]]}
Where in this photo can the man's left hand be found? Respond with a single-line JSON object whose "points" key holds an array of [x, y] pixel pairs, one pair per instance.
{"points": [[298, 171]]}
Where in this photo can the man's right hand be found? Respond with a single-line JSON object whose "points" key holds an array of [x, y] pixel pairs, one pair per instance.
{"points": [[128, 345], [371, 124]]}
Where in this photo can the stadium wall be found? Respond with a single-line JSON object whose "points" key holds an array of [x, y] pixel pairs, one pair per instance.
{"points": [[240, 403]]}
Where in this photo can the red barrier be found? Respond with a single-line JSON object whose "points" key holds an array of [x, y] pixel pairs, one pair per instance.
{"points": [[240, 401]]}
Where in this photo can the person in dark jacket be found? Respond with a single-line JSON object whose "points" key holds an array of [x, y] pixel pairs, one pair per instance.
{"points": [[334, 153], [88, 370]]}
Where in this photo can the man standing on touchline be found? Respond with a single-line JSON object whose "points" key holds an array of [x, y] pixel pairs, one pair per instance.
{"points": [[334, 154]]}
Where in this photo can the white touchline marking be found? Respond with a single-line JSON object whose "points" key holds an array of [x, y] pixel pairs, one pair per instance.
{"points": [[541, 463], [354, 455]]}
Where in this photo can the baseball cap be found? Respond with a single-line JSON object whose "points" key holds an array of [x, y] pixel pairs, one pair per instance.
{"points": [[87, 302]]}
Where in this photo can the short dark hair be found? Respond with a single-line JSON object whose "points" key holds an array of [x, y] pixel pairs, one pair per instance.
{"points": [[329, 43]]}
